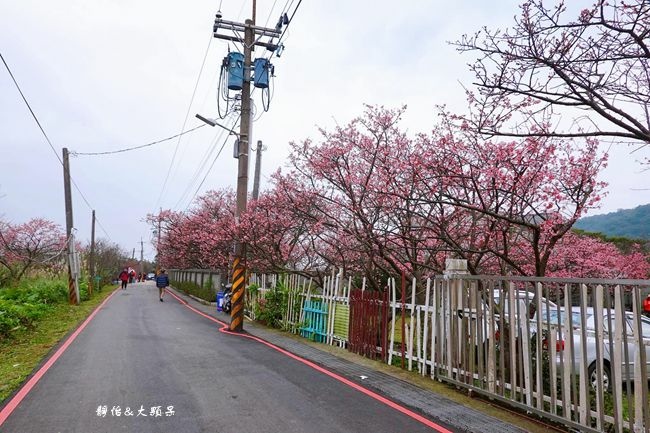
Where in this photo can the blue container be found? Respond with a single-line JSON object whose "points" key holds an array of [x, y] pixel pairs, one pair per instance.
{"points": [[219, 301], [261, 73], [235, 71]]}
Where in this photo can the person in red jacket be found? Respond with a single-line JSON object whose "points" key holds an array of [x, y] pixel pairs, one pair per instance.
{"points": [[124, 278]]}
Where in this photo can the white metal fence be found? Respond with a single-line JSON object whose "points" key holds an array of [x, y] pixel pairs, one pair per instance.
{"points": [[566, 349]]}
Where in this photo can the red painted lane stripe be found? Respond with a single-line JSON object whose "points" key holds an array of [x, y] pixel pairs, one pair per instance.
{"points": [[14, 402], [329, 373]]}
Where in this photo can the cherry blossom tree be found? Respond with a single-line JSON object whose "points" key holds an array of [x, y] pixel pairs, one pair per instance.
{"points": [[367, 198], [409, 203], [278, 239], [201, 238], [356, 174], [38, 243], [509, 195], [582, 256], [593, 69]]}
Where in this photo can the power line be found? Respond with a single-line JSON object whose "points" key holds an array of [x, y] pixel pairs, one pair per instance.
{"points": [[46, 136], [30, 109], [209, 169], [290, 19], [110, 152], [198, 78], [287, 7], [103, 229], [270, 13], [204, 161]]}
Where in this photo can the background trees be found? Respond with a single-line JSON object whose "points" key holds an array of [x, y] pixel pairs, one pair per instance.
{"points": [[109, 260]]}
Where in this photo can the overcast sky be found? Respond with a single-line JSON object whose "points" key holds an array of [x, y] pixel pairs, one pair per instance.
{"points": [[108, 74]]}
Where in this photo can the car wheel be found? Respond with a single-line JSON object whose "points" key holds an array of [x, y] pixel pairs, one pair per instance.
{"points": [[606, 379]]}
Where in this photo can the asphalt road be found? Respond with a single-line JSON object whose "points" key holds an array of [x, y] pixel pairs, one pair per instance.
{"points": [[140, 353]]}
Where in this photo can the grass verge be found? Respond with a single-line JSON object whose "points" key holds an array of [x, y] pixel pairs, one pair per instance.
{"points": [[21, 353]]}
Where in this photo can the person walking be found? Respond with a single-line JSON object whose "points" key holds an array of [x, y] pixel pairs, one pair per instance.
{"points": [[162, 281], [124, 278], [132, 276]]}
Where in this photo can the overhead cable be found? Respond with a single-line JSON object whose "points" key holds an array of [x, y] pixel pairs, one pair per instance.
{"points": [[189, 107], [210, 168], [30, 110], [128, 149], [47, 138]]}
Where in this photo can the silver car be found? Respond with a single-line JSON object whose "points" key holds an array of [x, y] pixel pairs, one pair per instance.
{"points": [[628, 359]]}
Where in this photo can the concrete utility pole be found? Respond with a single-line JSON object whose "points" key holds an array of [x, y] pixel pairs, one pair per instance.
{"points": [[258, 166], [73, 290], [249, 43], [91, 259]]}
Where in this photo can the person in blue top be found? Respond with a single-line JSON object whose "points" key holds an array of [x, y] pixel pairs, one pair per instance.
{"points": [[162, 281]]}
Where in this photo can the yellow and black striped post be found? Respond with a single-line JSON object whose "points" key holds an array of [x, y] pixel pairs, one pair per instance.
{"points": [[72, 290], [238, 287]]}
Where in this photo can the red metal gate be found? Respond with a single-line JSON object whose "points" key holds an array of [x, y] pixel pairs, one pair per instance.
{"points": [[369, 323]]}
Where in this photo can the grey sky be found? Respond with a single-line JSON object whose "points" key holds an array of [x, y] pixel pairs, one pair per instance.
{"points": [[109, 74]]}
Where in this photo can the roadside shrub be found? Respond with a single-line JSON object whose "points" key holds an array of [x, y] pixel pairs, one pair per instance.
{"points": [[15, 316], [37, 291], [22, 306], [272, 309]]}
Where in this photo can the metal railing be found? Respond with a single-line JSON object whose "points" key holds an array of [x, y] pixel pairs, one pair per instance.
{"points": [[565, 349]]}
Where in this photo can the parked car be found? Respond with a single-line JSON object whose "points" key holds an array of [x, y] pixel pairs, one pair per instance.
{"points": [[150, 276], [627, 368], [523, 299]]}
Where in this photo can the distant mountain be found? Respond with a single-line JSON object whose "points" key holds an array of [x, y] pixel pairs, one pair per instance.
{"points": [[629, 223]]}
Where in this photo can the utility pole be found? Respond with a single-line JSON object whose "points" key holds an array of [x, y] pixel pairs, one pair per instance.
{"points": [[158, 246], [249, 43], [73, 289], [141, 256], [91, 259], [258, 167]]}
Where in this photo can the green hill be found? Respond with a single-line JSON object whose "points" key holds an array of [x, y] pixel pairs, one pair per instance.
{"points": [[629, 223]]}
